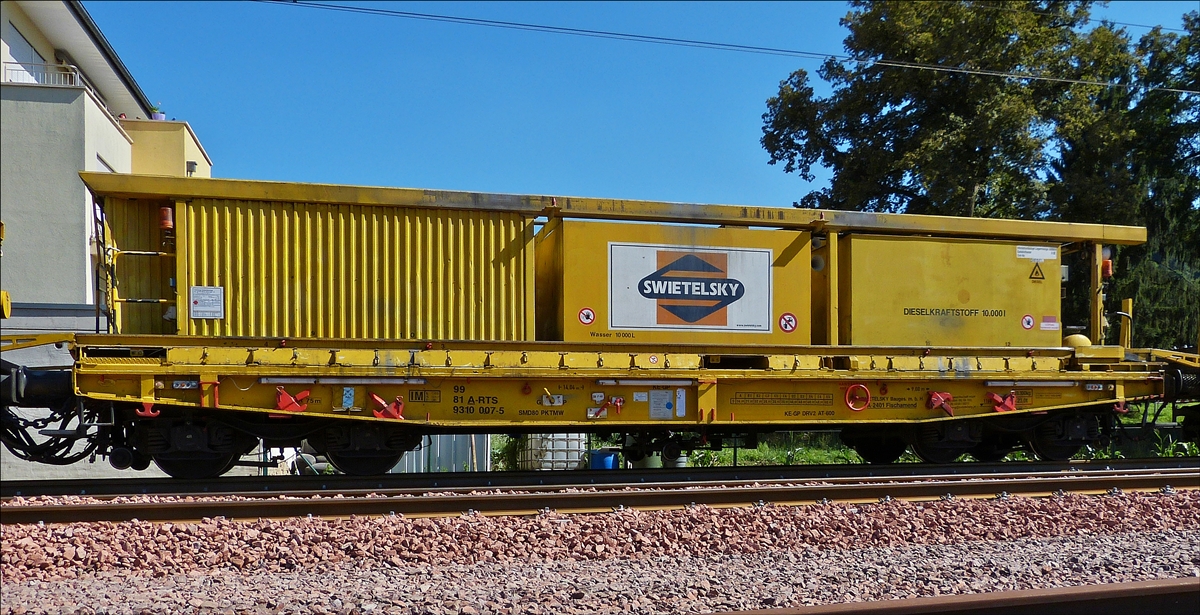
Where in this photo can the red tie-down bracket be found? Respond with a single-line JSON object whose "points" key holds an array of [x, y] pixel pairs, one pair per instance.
{"points": [[939, 400], [284, 400], [147, 411], [394, 410], [1007, 403]]}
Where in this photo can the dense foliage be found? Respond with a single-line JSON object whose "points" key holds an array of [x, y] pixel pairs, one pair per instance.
{"points": [[1114, 138]]}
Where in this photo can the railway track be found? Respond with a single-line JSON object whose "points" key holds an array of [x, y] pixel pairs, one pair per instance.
{"points": [[588, 498], [1157, 597], [259, 485]]}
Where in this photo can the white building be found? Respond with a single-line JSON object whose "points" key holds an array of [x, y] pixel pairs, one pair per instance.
{"points": [[67, 104]]}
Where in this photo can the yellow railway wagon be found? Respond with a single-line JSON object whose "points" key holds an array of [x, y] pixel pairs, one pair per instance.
{"points": [[361, 319]]}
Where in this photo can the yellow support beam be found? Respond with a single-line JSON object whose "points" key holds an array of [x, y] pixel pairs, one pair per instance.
{"points": [[1127, 323], [163, 188], [8, 343], [832, 324], [1096, 296]]}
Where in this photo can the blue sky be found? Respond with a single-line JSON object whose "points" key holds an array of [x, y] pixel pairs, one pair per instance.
{"points": [[299, 94]]}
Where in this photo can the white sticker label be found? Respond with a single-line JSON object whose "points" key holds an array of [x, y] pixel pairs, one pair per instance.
{"points": [[1049, 323], [661, 404], [657, 287], [207, 301], [641, 396], [1037, 253], [680, 403]]}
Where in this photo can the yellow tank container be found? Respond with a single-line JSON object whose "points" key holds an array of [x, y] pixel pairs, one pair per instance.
{"points": [[600, 281], [914, 291]]}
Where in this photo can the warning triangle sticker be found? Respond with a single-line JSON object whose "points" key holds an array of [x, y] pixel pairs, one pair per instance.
{"points": [[1037, 274]]}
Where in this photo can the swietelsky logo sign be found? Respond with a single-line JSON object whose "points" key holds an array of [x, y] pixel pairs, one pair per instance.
{"points": [[684, 287], [692, 288]]}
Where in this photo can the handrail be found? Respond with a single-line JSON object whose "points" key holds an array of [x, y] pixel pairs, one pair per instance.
{"points": [[50, 74]]}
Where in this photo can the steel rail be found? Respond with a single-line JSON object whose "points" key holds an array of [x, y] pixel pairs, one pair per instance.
{"points": [[491, 480], [571, 500], [675, 483], [1159, 596]]}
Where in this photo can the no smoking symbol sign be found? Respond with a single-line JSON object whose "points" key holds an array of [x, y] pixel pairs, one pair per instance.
{"points": [[787, 322], [1027, 322], [587, 316]]}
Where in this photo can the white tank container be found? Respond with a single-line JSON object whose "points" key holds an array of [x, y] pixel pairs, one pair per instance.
{"points": [[553, 451]]}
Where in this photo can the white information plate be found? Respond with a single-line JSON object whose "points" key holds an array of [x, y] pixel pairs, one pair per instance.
{"points": [[207, 302], [1037, 253]]}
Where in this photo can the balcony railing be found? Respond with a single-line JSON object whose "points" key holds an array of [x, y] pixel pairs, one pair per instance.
{"points": [[50, 74], [43, 74]]}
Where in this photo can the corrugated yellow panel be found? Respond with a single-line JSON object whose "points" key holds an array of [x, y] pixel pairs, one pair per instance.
{"points": [[141, 262], [355, 271]]}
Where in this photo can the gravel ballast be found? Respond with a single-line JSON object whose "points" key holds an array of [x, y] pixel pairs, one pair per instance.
{"points": [[695, 559]]}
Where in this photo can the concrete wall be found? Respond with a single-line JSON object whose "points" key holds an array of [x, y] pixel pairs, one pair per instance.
{"points": [[49, 134], [11, 13], [164, 148], [41, 153], [192, 150]]}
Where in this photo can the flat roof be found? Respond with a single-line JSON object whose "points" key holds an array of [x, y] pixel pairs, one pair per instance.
{"points": [[157, 187]]}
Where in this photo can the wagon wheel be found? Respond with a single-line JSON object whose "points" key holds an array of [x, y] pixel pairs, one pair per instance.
{"points": [[1045, 443], [989, 452], [364, 465], [994, 446], [938, 454], [197, 467], [880, 450]]}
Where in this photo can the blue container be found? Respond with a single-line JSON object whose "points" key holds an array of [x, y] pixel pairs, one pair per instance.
{"points": [[602, 460]]}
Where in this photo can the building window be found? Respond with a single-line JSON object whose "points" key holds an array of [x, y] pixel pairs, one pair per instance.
{"points": [[27, 65]]}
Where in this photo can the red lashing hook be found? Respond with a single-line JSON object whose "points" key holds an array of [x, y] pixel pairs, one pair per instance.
{"points": [[1008, 403], [147, 411], [941, 401], [287, 403], [394, 410]]}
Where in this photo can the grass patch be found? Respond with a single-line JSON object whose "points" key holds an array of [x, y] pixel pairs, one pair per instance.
{"points": [[782, 449]]}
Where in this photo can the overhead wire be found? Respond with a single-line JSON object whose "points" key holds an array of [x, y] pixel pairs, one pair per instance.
{"points": [[682, 42]]}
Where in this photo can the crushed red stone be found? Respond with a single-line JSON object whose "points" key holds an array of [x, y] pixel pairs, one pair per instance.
{"points": [[66, 550], [531, 552]]}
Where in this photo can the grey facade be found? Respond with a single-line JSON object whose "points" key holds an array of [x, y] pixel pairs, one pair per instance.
{"points": [[49, 134]]}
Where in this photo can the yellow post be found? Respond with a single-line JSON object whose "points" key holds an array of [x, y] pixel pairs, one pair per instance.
{"points": [[1127, 323], [182, 308], [1096, 322], [831, 322]]}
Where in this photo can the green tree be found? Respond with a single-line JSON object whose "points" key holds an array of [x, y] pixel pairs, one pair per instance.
{"points": [[919, 140], [1132, 156]]}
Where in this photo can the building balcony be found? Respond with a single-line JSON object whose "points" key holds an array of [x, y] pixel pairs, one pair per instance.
{"points": [[60, 75]]}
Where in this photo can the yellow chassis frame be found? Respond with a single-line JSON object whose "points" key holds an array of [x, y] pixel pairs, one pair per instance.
{"points": [[545, 386]]}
